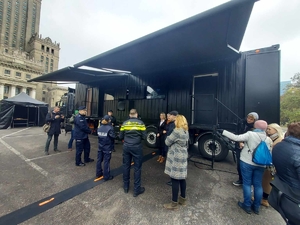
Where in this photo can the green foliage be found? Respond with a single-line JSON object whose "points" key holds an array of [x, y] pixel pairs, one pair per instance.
{"points": [[290, 102]]}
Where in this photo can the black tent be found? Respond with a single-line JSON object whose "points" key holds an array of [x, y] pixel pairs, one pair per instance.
{"points": [[22, 110]]}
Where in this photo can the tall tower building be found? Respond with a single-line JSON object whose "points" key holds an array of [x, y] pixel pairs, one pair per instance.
{"points": [[24, 54], [19, 21]]}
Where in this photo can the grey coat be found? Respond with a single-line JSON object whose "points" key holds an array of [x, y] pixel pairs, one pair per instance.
{"points": [[176, 164]]}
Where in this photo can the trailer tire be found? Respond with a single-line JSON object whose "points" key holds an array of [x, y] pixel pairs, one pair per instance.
{"points": [[205, 150], [151, 137]]}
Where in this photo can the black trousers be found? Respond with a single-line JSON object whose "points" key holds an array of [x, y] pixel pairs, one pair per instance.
{"points": [[175, 189], [82, 145], [238, 155], [135, 153]]}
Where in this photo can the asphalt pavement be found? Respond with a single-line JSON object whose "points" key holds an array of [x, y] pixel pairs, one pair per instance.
{"points": [[50, 189]]}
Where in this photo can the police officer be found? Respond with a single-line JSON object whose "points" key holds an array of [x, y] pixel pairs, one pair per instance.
{"points": [[81, 131], [106, 136], [133, 131], [113, 120]]}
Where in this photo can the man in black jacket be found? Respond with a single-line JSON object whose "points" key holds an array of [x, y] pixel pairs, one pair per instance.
{"points": [[81, 135], [133, 131], [54, 118]]}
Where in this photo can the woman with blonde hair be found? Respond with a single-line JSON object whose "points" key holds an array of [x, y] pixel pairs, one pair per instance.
{"points": [[275, 132], [176, 163]]}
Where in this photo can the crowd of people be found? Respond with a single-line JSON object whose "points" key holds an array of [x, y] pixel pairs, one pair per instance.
{"points": [[172, 142]]}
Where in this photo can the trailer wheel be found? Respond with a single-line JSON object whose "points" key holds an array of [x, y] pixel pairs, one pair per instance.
{"points": [[151, 137], [205, 145]]}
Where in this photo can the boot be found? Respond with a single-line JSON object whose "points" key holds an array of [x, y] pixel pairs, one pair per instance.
{"points": [[265, 202], [171, 206], [162, 160], [182, 201], [159, 158]]}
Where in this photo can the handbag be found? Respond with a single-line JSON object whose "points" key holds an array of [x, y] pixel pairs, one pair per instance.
{"points": [[47, 126], [285, 200], [262, 155]]}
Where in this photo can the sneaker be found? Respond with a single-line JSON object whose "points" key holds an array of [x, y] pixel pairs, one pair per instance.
{"points": [[56, 150], [238, 183], [80, 164], [245, 208], [141, 191], [46, 153]]}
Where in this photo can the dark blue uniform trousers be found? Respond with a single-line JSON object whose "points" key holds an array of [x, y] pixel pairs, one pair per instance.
{"points": [[103, 156], [82, 145], [137, 154]]}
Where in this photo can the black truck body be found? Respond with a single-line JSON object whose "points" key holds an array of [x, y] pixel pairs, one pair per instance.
{"points": [[210, 95]]}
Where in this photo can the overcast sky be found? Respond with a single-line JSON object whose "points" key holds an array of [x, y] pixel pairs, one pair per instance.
{"points": [[85, 28]]}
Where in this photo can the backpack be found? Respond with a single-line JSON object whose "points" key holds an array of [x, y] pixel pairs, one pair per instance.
{"points": [[261, 154]]}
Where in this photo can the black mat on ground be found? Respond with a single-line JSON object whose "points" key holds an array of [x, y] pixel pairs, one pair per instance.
{"points": [[36, 208]]}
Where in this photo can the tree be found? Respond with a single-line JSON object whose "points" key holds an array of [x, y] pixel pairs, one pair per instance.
{"points": [[290, 102]]}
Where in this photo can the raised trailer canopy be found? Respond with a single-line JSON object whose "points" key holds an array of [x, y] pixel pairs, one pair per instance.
{"points": [[210, 36]]}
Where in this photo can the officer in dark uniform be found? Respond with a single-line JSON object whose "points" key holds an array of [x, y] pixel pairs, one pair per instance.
{"points": [[133, 131], [81, 132], [106, 138], [113, 120]]}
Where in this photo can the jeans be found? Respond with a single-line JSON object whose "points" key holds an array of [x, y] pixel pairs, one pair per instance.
{"points": [[137, 154], [252, 175], [103, 156], [71, 140], [82, 145], [175, 189], [49, 140]]}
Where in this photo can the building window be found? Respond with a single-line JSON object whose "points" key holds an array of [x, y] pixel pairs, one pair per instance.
{"points": [[43, 47], [7, 72], [18, 90], [6, 50], [18, 74], [47, 50], [43, 99], [52, 51], [44, 92], [28, 76], [27, 91], [6, 89], [42, 58]]}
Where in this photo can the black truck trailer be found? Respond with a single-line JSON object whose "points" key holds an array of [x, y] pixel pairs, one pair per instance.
{"points": [[216, 94], [194, 67]]}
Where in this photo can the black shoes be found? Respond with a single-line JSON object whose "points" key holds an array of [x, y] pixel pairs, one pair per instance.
{"points": [[80, 164], [245, 208], [169, 183], [89, 160], [141, 191], [126, 190], [238, 183], [46, 153], [256, 211], [110, 178], [56, 150]]}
